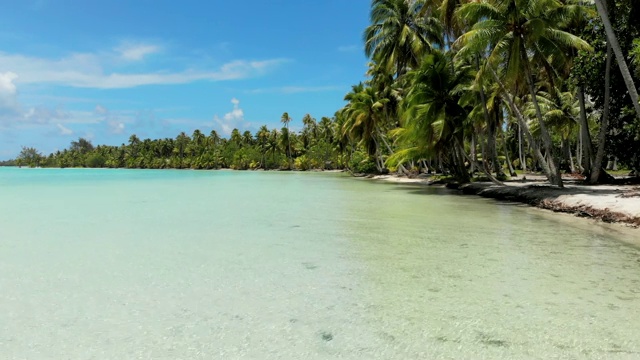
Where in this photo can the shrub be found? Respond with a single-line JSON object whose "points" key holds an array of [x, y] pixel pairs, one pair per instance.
{"points": [[95, 161], [362, 163], [302, 163]]}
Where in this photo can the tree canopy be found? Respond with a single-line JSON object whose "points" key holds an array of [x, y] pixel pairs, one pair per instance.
{"points": [[459, 87]]}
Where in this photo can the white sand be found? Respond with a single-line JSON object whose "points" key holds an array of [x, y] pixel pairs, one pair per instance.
{"points": [[620, 199], [606, 198]]}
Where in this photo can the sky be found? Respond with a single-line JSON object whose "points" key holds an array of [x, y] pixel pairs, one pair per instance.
{"points": [[105, 70]]}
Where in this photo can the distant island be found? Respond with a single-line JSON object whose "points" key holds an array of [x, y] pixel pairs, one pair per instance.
{"points": [[8, 163]]}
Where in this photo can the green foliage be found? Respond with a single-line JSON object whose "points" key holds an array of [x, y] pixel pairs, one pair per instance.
{"points": [[433, 117], [453, 86], [455, 109], [323, 156], [8, 163], [303, 163], [245, 158], [316, 147], [433, 114], [30, 157], [623, 139], [635, 52], [362, 163], [398, 35], [96, 161], [82, 146]]}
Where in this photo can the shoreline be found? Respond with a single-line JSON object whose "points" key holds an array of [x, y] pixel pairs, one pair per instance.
{"points": [[613, 204]]}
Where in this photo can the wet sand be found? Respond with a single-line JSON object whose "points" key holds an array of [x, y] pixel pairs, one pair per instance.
{"points": [[608, 203]]}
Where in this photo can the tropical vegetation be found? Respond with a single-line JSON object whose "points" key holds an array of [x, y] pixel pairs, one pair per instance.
{"points": [[459, 87], [316, 146]]}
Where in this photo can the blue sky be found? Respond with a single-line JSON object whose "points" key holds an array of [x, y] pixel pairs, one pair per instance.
{"points": [[107, 69]]}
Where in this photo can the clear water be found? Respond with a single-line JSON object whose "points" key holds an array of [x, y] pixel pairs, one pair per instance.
{"points": [[119, 264]]}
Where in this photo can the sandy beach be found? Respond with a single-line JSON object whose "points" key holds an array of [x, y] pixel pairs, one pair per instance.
{"points": [[608, 203]]}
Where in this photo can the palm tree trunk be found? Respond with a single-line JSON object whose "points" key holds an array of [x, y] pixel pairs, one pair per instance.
{"points": [[473, 153], [497, 167], [378, 156], [579, 152], [512, 172], [554, 171], [289, 146], [483, 154], [521, 155], [460, 155], [491, 137], [484, 168], [492, 150], [622, 64], [523, 123], [566, 150], [604, 124], [572, 164], [585, 136]]}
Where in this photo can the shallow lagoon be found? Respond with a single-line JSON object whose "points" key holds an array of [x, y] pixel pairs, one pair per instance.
{"points": [[106, 264]]}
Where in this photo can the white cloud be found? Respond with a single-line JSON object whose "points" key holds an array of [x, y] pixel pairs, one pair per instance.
{"points": [[11, 110], [116, 127], [8, 94], [13, 115], [232, 120], [64, 130], [296, 89], [7, 87], [87, 70], [43, 115], [115, 121], [136, 52], [101, 110], [50, 98]]}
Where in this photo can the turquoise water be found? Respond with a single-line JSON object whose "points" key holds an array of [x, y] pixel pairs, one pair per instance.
{"points": [[135, 264]]}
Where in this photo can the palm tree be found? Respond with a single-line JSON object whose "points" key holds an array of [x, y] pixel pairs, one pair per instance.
{"points": [[214, 139], [398, 36], [311, 125], [445, 11], [326, 129], [363, 117], [166, 147], [182, 142], [285, 144], [342, 139], [286, 119], [262, 137], [272, 144], [235, 137], [198, 142], [247, 138], [620, 59], [561, 111], [433, 120], [514, 30], [613, 46], [134, 141], [490, 107], [82, 146], [386, 87]]}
